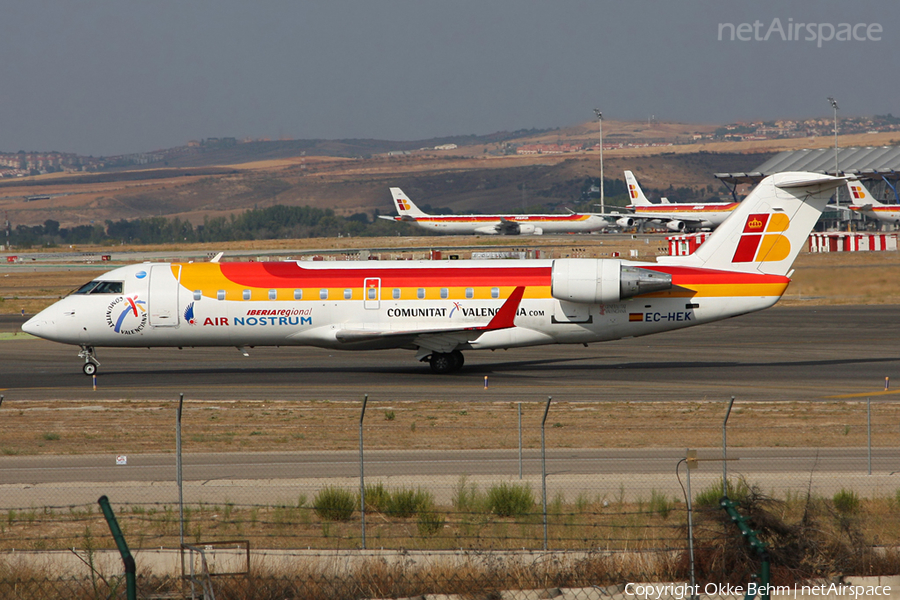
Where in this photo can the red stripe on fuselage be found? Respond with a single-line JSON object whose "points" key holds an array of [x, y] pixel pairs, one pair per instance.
{"points": [[694, 276], [497, 218], [690, 208], [292, 275]]}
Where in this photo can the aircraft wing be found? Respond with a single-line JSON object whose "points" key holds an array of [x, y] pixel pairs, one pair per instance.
{"points": [[398, 218], [507, 227], [443, 339], [660, 217]]}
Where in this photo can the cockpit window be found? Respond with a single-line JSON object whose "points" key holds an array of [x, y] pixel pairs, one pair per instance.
{"points": [[101, 287]]}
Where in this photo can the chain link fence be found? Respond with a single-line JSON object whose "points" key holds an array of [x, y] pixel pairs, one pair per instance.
{"points": [[346, 499]]}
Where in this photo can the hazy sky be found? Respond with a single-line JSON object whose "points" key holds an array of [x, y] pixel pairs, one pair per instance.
{"points": [[105, 77]]}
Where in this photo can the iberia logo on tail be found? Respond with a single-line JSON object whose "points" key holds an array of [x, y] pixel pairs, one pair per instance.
{"points": [[632, 191], [402, 203], [858, 192], [761, 239]]}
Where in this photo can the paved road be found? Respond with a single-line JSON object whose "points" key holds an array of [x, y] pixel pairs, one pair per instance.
{"points": [[779, 354], [234, 466]]}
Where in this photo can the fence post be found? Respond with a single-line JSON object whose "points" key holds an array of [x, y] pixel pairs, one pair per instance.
{"points": [[179, 479], [725, 450], [127, 559], [520, 439], [544, 468], [690, 464], [362, 481], [869, 431]]}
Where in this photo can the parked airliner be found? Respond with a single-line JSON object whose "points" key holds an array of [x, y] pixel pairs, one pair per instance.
{"points": [[862, 201], [494, 224], [440, 308], [676, 216]]}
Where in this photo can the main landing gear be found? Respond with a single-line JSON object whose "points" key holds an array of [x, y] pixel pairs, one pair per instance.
{"points": [[90, 361], [446, 362]]}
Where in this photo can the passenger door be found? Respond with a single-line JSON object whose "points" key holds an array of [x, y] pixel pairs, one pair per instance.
{"points": [[163, 297]]}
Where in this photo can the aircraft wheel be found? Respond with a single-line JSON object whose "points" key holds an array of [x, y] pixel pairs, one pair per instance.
{"points": [[442, 362], [458, 360], [89, 368]]}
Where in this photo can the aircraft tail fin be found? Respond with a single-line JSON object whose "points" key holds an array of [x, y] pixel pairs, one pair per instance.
{"points": [[635, 193], [860, 194], [767, 230], [405, 206]]}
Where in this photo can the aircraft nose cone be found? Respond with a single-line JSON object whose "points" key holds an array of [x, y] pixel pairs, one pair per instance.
{"points": [[39, 326]]}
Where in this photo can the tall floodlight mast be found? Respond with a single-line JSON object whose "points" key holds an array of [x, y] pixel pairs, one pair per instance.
{"points": [[837, 195], [600, 121]]}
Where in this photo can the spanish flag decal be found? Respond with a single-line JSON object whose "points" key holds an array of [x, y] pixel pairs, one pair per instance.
{"points": [[635, 317]]}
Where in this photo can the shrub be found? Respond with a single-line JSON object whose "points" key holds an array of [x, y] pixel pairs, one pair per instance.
{"points": [[407, 502], [377, 497], [466, 498], [335, 504], [738, 490], [510, 500], [660, 504], [429, 522], [846, 502]]}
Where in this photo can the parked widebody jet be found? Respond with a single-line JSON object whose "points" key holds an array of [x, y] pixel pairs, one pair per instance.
{"points": [[494, 224], [675, 216], [441, 308], [863, 202]]}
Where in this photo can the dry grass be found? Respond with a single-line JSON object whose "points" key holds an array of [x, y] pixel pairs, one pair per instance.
{"points": [[97, 427]]}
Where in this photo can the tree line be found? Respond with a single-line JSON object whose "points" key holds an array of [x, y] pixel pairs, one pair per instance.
{"points": [[275, 222]]}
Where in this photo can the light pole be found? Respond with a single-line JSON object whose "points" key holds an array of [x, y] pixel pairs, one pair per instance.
{"points": [[837, 195], [600, 122], [835, 107]]}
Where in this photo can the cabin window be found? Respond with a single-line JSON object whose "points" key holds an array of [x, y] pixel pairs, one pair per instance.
{"points": [[197, 294], [445, 293], [101, 287], [298, 294], [348, 294], [470, 293], [273, 294], [246, 294], [495, 292], [323, 294], [420, 293], [372, 293], [220, 295], [396, 294]]}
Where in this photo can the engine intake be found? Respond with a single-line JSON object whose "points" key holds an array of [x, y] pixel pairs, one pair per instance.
{"points": [[601, 281]]}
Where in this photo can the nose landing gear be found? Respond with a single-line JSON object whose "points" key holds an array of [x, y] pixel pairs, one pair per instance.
{"points": [[90, 361]]}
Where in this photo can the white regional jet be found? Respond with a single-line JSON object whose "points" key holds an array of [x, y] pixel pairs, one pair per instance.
{"points": [[510, 224], [676, 216], [862, 201], [438, 309]]}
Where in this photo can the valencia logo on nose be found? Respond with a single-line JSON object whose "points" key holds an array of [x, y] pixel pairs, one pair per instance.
{"points": [[762, 239]]}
